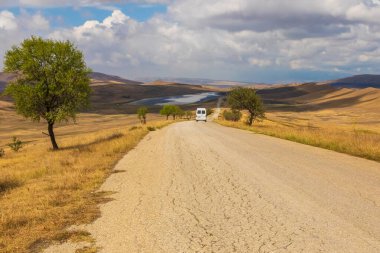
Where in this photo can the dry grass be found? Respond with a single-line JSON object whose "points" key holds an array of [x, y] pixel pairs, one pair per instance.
{"points": [[308, 128], [43, 192]]}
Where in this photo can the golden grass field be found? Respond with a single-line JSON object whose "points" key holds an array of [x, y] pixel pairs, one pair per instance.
{"points": [[339, 119], [344, 131], [43, 192]]}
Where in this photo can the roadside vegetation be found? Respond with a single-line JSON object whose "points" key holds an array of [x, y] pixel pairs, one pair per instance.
{"points": [[42, 192], [141, 114], [241, 98], [174, 111], [54, 84], [246, 107], [345, 139], [232, 115]]}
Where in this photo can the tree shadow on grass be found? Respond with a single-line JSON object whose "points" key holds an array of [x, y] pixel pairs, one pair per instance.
{"points": [[85, 146]]}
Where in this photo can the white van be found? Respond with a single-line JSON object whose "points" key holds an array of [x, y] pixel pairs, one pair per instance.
{"points": [[201, 114]]}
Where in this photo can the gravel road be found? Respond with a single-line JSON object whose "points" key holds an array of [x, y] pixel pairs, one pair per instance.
{"points": [[201, 187]]}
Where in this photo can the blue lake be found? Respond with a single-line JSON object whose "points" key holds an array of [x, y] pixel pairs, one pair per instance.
{"points": [[179, 100]]}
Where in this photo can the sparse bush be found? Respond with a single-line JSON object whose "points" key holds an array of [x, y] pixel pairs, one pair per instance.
{"points": [[9, 183], [2, 152], [172, 110], [233, 115], [242, 98], [16, 144], [141, 113], [134, 128], [188, 115], [150, 128], [167, 110], [209, 111], [179, 112]]}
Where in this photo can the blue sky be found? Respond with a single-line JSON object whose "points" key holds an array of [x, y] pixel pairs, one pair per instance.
{"points": [[244, 40], [74, 16]]}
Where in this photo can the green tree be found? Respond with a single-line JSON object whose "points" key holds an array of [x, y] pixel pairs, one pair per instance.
{"points": [[188, 115], [141, 113], [177, 111], [53, 82], [166, 110], [172, 110], [241, 98]]}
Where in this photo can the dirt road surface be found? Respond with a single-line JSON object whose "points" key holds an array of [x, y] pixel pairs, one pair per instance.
{"points": [[201, 187]]}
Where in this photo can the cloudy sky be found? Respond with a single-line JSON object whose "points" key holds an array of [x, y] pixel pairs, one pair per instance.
{"points": [[243, 40]]}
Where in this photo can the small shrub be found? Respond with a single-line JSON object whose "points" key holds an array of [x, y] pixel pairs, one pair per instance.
{"points": [[2, 152], [134, 128], [8, 184], [233, 115], [188, 115], [141, 113], [209, 111], [150, 128], [16, 144]]}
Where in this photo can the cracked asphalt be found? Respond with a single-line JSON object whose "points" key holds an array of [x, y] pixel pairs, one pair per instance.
{"points": [[201, 187]]}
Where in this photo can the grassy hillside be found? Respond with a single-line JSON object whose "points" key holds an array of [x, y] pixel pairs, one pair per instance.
{"points": [[355, 139]]}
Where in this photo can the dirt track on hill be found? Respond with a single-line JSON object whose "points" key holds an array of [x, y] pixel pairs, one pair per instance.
{"points": [[201, 187]]}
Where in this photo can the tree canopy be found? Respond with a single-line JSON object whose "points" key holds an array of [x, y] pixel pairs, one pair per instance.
{"points": [[53, 82], [172, 110], [241, 98], [166, 110]]}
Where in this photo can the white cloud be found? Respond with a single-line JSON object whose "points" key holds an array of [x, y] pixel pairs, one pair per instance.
{"points": [[260, 62], [7, 21], [117, 17], [39, 22], [364, 13], [221, 38], [14, 29]]}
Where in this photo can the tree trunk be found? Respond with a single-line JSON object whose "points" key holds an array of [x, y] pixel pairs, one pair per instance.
{"points": [[52, 136], [250, 120], [167, 117], [144, 120]]}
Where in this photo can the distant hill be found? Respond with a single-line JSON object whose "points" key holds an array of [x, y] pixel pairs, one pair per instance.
{"points": [[4, 79], [317, 96], [359, 81], [100, 78], [97, 79], [293, 91], [200, 81], [113, 93]]}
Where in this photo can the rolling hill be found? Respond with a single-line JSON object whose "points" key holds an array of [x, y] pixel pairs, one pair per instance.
{"points": [[98, 78], [112, 94], [313, 96], [359, 81], [4, 79]]}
